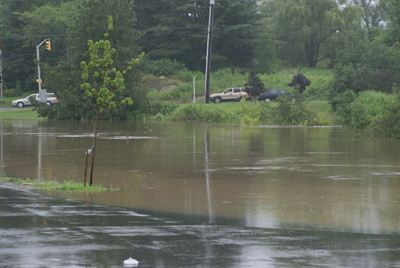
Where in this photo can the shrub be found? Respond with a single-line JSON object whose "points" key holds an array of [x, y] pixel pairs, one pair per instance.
{"points": [[368, 107], [292, 112], [341, 104], [388, 123]]}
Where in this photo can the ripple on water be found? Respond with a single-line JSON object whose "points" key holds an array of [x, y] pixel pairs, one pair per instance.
{"points": [[339, 178]]}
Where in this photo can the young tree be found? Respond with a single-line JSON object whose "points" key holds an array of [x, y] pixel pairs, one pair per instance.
{"points": [[254, 86], [103, 82], [300, 82]]}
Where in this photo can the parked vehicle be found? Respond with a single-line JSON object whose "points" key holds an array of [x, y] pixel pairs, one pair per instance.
{"points": [[230, 94], [21, 103], [272, 94]]}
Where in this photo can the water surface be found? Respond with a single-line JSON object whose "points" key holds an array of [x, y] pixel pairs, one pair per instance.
{"points": [[249, 180]]}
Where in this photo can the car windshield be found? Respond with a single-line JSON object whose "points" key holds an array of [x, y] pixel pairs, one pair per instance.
{"points": [[31, 96], [228, 91]]}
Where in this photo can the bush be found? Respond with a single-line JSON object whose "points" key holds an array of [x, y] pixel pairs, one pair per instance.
{"points": [[388, 123], [341, 104], [368, 107], [291, 112]]}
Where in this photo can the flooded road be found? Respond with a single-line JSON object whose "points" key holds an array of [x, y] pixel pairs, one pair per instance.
{"points": [[217, 196], [39, 231]]}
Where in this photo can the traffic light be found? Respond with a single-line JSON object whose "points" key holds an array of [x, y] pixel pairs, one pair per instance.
{"points": [[48, 45]]}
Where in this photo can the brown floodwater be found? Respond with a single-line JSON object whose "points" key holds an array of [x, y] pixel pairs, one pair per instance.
{"points": [[266, 177]]}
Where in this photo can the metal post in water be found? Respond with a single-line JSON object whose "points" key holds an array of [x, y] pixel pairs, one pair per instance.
{"points": [[207, 175]]}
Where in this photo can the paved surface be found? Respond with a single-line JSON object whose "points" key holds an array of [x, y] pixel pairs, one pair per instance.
{"points": [[2, 109], [41, 231]]}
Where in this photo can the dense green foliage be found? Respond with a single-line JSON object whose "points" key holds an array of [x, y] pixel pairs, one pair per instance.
{"points": [[344, 47]]}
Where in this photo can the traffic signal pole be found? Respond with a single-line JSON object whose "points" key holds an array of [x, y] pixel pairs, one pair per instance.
{"points": [[209, 50], [42, 93]]}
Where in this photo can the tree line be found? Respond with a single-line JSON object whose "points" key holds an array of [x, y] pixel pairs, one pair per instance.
{"points": [[357, 39]]}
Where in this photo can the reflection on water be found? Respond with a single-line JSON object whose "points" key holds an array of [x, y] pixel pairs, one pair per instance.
{"points": [[320, 178]]}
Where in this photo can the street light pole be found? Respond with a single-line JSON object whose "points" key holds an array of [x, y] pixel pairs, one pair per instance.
{"points": [[209, 50]]}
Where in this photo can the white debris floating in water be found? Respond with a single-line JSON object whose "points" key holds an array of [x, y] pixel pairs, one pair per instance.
{"points": [[131, 263]]}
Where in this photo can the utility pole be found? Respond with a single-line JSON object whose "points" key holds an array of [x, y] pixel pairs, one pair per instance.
{"points": [[209, 50], [1, 72]]}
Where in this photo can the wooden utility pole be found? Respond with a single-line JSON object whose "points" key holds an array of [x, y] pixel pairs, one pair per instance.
{"points": [[1, 72], [209, 50]]}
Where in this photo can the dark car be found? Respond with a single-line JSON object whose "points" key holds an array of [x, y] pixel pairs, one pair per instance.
{"points": [[272, 94]]}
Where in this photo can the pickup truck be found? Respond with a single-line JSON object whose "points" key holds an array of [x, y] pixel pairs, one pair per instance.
{"points": [[230, 94]]}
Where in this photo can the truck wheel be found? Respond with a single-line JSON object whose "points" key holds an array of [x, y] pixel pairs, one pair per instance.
{"points": [[217, 100], [20, 105]]}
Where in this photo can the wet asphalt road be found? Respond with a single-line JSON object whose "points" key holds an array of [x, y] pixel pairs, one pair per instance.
{"points": [[3, 109], [41, 231]]}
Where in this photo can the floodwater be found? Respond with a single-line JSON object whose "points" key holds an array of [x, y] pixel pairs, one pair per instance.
{"points": [[203, 196]]}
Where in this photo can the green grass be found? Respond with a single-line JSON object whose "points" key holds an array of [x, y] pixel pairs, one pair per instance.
{"points": [[320, 81], [45, 185], [255, 113], [19, 114], [179, 88], [322, 110]]}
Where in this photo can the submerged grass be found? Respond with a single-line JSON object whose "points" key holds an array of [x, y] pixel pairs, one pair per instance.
{"points": [[44, 185]]}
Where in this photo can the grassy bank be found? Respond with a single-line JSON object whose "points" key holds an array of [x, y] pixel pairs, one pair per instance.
{"points": [[283, 112], [19, 114], [174, 95], [45, 185], [178, 88]]}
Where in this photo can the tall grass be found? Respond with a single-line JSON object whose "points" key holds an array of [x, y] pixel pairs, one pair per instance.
{"points": [[283, 112]]}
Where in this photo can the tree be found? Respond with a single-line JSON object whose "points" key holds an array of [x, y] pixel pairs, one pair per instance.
{"points": [[304, 28], [87, 20], [177, 30], [254, 86], [103, 83], [393, 10], [373, 14]]}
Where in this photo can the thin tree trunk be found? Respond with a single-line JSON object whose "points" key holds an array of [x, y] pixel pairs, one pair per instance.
{"points": [[96, 124], [86, 164]]}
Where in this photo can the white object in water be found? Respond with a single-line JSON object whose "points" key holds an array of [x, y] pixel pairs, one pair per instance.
{"points": [[131, 263]]}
